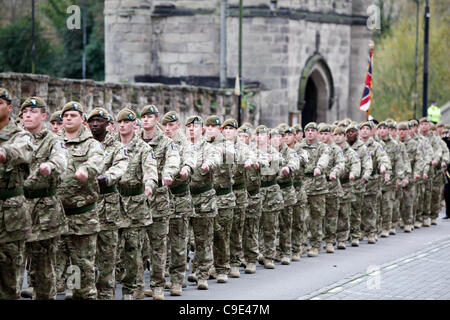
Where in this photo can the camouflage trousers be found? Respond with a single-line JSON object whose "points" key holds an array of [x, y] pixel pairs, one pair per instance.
{"points": [[250, 236], [343, 222], [237, 230], [222, 231], [157, 236], [387, 205], [369, 213], [355, 216], [178, 237], [427, 194], [144, 244], [379, 214], [407, 204], [105, 262], [418, 202], [267, 226], [12, 255], [299, 227], [203, 228], [132, 258], [396, 208], [43, 256], [82, 250], [317, 206], [26, 266], [436, 199], [331, 217], [62, 261], [285, 234]]}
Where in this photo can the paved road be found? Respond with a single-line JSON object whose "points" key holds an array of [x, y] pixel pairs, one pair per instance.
{"points": [[310, 277]]}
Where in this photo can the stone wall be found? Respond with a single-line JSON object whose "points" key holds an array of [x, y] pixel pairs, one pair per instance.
{"points": [[186, 100]]}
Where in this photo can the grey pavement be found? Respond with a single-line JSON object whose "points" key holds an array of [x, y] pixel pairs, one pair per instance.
{"points": [[405, 266]]}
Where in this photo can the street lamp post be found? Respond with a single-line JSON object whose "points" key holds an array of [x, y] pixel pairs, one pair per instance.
{"points": [[416, 58], [425, 60]]}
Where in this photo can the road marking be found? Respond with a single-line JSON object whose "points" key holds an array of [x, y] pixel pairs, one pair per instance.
{"points": [[315, 298], [356, 280], [407, 260], [421, 255], [337, 289]]}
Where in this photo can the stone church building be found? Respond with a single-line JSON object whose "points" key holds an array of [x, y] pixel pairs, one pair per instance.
{"points": [[307, 58]]}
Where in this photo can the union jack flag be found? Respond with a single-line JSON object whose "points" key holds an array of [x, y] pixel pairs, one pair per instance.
{"points": [[367, 92]]}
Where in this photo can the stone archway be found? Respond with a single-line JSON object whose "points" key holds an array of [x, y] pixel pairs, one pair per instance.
{"points": [[316, 93]]}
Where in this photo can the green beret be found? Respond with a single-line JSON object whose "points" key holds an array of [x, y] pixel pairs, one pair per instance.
{"points": [[244, 129], [383, 124], [213, 120], [170, 116], [311, 125], [248, 124], [432, 126], [352, 126], [342, 123], [297, 128], [33, 102], [424, 119], [367, 123], [261, 129], [324, 127], [413, 123], [194, 120], [284, 128], [445, 130], [56, 117], [339, 130], [230, 122], [274, 131], [126, 114], [440, 124], [403, 126], [149, 109], [392, 125], [72, 106], [99, 112], [5, 95]]}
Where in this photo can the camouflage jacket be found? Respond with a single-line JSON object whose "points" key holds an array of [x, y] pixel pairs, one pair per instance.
{"points": [[223, 174], [352, 166], [424, 147], [243, 153], [415, 157], [366, 165], [394, 153], [319, 157], [168, 164], [84, 152], [15, 220], [406, 163], [336, 166], [46, 210], [141, 172], [116, 158], [379, 158], [291, 160], [182, 200], [201, 184]]}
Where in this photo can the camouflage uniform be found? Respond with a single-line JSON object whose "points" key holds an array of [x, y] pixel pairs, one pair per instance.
{"points": [[205, 206], [301, 208], [373, 188], [352, 166], [316, 188], [168, 166], [47, 213], [400, 190], [226, 202], [179, 220], [388, 188], [291, 160], [427, 151], [110, 215], [439, 179], [336, 166], [141, 172], [15, 220], [359, 188], [416, 160], [272, 200], [79, 201]]}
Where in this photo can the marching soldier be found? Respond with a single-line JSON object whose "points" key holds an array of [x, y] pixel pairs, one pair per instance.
{"points": [[79, 194], [168, 164], [109, 210], [135, 186], [16, 154], [56, 122], [208, 159]]}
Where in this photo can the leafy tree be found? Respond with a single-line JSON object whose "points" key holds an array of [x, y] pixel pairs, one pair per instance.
{"points": [[15, 51]]}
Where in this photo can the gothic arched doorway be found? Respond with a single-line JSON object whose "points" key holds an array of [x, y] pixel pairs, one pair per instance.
{"points": [[316, 94]]}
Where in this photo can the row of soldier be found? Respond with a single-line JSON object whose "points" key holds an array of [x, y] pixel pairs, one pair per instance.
{"points": [[85, 195]]}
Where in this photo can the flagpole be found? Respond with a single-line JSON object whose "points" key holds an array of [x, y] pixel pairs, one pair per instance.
{"points": [[371, 49]]}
